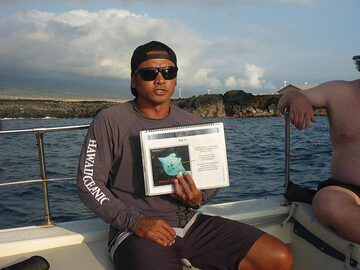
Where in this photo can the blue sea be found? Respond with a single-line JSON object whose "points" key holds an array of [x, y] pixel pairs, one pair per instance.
{"points": [[255, 149]]}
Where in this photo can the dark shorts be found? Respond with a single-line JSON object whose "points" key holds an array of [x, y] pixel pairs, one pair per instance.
{"points": [[333, 182], [210, 243]]}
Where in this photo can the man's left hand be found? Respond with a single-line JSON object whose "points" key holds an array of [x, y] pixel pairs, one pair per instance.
{"points": [[186, 190]]}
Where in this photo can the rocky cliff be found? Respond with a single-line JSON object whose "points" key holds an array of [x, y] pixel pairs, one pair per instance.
{"points": [[234, 103]]}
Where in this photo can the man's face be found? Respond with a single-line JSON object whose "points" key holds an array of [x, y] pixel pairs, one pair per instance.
{"points": [[157, 91]]}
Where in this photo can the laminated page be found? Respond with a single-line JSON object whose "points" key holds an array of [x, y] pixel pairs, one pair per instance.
{"points": [[197, 149]]}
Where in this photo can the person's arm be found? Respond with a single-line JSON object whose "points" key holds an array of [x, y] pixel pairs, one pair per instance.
{"points": [[301, 103], [300, 109], [96, 161]]}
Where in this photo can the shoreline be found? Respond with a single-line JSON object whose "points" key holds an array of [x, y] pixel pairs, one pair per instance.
{"points": [[63, 99], [232, 104], [45, 108]]}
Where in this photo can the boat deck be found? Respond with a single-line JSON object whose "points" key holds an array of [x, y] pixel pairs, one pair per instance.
{"points": [[83, 244], [90, 256]]}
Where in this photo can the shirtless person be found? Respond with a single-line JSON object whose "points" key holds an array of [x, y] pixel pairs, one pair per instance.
{"points": [[337, 203]]}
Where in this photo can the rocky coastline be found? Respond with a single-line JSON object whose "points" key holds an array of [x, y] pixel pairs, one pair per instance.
{"points": [[234, 103], [38, 108]]}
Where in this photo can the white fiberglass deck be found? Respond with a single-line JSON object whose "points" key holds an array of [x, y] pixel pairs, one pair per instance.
{"points": [[83, 244]]}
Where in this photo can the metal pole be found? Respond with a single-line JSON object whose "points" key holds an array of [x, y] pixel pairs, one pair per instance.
{"points": [[40, 143], [287, 152]]}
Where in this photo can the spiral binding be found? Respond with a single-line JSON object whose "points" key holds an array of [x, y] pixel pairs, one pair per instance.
{"points": [[182, 127]]}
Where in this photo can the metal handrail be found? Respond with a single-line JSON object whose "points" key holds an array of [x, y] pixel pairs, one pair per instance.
{"points": [[20, 182], [42, 130], [287, 150], [39, 134], [289, 155]]}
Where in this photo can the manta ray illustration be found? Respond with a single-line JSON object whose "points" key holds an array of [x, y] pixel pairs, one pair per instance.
{"points": [[172, 164]]}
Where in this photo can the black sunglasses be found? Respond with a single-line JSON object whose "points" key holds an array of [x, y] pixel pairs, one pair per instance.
{"points": [[150, 73]]}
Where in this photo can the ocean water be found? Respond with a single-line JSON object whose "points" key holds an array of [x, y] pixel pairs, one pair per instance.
{"points": [[255, 149]]}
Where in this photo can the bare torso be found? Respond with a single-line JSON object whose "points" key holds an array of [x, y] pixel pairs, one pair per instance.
{"points": [[344, 110]]}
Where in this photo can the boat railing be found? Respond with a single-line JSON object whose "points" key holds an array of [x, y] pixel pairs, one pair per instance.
{"points": [[39, 135], [289, 155]]}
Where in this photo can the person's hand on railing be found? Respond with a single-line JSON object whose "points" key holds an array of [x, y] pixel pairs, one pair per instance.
{"points": [[300, 110]]}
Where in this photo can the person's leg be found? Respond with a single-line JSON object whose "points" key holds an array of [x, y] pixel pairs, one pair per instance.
{"points": [[136, 253], [339, 208], [218, 243], [268, 253], [214, 242]]}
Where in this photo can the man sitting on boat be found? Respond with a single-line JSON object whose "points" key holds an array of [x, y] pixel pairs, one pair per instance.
{"points": [[337, 203], [110, 182]]}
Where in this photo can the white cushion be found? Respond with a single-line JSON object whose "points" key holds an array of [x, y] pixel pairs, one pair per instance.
{"points": [[304, 214]]}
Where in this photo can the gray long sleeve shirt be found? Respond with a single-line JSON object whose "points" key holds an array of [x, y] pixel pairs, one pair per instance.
{"points": [[110, 175]]}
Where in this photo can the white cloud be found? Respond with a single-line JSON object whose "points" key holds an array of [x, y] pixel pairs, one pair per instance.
{"points": [[231, 82], [87, 43], [81, 42], [252, 78], [203, 77], [100, 44], [77, 41]]}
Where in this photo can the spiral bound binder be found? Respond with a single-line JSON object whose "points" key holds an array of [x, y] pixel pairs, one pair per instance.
{"points": [[198, 149], [183, 127]]}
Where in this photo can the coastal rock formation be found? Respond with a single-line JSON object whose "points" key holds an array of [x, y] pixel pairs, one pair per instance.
{"points": [[14, 108], [234, 103], [204, 106]]}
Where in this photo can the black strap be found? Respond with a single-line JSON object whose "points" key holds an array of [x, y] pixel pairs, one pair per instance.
{"points": [[157, 55], [296, 193]]}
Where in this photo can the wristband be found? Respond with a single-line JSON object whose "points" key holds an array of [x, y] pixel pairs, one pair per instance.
{"points": [[200, 204]]}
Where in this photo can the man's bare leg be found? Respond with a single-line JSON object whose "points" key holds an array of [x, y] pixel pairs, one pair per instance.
{"points": [[339, 208], [268, 253]]}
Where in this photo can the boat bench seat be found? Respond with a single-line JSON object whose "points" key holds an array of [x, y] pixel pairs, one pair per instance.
{"points": [[308, 227]]}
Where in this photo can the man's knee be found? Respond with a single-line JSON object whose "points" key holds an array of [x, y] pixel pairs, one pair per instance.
{"points": [[338, 207], [285, 259], [268, 253], [323, 204], [332, 203]]}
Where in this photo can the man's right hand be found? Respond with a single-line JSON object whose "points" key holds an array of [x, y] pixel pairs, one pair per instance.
{"points": [[301, 111], [157, 230]]}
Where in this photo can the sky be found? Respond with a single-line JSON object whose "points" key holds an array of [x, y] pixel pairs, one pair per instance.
{"points": [[83, 48]]}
